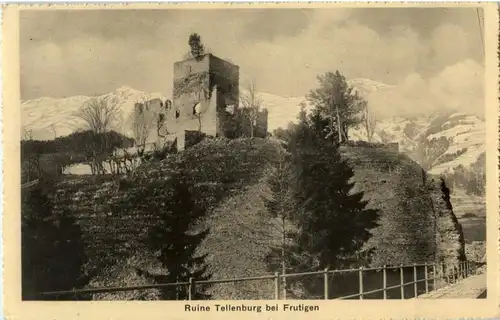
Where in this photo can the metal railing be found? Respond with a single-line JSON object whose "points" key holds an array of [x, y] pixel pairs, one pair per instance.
{"points": [[432, 274], [29, 184]]}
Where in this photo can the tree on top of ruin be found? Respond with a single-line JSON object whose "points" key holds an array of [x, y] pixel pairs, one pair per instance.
{"points": [[197, 48]]}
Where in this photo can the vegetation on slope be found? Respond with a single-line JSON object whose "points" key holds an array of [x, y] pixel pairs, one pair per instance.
{"points": [[48, 158], [215, 169]]}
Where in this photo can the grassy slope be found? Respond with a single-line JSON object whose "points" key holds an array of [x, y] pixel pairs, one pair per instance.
{"points": [[380, 174], [229, 177], [226, 173]]}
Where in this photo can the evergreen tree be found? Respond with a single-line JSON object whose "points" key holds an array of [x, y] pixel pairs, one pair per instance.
{"points": [[197, 48], [52, 249], [338, 103], [334, 222], [173, 237], [280, 204]]}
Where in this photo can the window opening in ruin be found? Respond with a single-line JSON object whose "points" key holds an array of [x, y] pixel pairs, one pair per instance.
{"points": [[196, 108], [177, 114]]}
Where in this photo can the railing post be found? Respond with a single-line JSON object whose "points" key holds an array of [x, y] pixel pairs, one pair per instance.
{"points": [[325, 278], [384, 281], [427, 278], [361, 283], [191, 288], [415, 283], [402, 281], [445, 275], [437, 272], [276, 286]]}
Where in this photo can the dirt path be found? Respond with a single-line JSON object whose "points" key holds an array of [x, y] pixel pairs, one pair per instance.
{"points": [[472, 287]]}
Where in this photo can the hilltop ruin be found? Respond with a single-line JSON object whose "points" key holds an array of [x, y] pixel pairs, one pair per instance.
{"points": [[205, 103]]}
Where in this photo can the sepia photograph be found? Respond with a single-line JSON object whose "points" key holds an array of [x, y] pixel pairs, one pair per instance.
{"points": [[247, 154]]}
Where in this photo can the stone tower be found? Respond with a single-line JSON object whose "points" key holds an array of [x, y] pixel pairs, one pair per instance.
{"points": [[203, 87]]}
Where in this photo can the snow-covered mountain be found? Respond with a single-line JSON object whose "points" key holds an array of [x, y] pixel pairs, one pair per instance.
{"points": [[465, 134], [49, 117], [443, 141]]}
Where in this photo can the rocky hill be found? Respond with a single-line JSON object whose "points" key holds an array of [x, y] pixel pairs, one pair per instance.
{"points": [[229, 177]]}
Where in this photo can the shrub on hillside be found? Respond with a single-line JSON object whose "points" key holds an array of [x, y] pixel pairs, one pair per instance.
{"points": [[126, 273], [476, 251]]}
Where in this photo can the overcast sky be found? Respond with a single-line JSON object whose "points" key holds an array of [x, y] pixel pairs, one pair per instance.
{"points": [[430, 55]]}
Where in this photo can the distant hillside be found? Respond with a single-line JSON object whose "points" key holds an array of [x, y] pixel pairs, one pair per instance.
{"points": [[439, 142]]}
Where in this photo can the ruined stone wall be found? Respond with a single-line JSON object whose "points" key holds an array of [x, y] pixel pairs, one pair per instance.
{"points": [[261, 127], [393, 146], [203, 89], [227, 78], [209, 83]]}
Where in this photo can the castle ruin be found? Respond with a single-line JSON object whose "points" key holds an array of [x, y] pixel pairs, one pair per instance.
{"points": [[205, 102]]}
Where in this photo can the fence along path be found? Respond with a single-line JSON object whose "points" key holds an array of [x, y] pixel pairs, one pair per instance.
{"points": [[435, 277], [29, 184]]}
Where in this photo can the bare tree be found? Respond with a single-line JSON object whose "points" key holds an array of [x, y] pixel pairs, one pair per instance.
{"points": [[54, 130], [369, 120], [100, 114], [27, 134], [30, 158], [251, 104]]}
